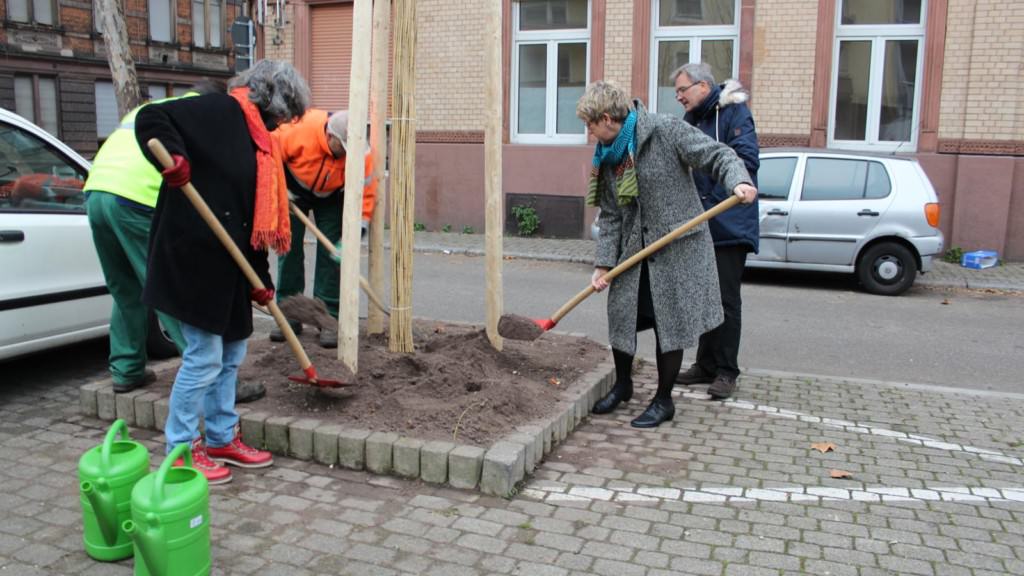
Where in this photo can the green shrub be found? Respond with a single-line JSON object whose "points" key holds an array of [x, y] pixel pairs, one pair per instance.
{"points": [[526, 219], [467, 230], [419, 227], [953, 255], [446, 228]]}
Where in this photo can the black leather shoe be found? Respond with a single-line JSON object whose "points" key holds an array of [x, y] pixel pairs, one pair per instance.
{"points": [[148, 377], [695, 375], [723, 387], [277, 336], [611, 400], [328, 338], [659, 411]]}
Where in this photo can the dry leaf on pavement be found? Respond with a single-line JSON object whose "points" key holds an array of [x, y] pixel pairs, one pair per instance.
{"points": [[823, 447], [554, 381], [839, 473]]}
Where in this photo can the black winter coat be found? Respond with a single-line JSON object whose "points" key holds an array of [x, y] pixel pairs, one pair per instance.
{"points": [[191, 276], [725, 117]]}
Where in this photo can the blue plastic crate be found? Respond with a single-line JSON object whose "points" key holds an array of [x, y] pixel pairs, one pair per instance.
{"points": [[980, 259]]}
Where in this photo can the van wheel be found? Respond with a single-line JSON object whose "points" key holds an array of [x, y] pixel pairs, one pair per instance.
{"points": [[159, 345], [888, 269]]}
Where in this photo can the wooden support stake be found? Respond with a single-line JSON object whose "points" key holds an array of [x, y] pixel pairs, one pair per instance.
{"points": [[358, 101], [378, 143], [492, 169], [403, 175]]}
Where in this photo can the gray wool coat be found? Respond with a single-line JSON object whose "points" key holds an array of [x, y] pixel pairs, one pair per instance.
{"points": [[683, 274]]}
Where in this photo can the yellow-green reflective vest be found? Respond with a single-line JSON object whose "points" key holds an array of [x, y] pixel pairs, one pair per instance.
{"points": [[120, 168]]}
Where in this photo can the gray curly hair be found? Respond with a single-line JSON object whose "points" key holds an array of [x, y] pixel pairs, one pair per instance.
{"points": [[276, 88], [603, 97]]}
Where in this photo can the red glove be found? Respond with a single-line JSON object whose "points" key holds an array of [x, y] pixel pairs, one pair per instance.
{"points": [[178, 175], [261, 296]]}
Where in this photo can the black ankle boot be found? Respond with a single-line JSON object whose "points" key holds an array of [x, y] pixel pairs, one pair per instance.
{"points": [[612, 399], [660, 410]]}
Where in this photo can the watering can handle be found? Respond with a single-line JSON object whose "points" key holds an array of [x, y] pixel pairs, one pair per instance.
{"points": [[181, 450], [108, 442]]}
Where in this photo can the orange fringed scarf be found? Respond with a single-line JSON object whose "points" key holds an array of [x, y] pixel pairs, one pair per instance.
{"points": [[271, 225]]}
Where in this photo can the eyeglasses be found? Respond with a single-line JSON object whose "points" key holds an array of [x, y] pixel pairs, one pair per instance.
{"points": [[681, 91]]}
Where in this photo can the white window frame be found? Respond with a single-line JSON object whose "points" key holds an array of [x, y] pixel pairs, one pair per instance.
{"points": [[207, 29], [172, 20], [877, 35], [696, 36], [551, 39]]}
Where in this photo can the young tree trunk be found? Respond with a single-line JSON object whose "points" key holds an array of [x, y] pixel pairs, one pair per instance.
{"points": [[119, 55]]}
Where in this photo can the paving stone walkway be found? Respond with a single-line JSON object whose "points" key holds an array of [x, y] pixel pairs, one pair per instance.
{"points": [[936, 487]]}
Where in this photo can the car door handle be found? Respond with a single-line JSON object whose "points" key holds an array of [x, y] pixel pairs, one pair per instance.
{"points": [[777, 212], [867, 212], [12, 236]]}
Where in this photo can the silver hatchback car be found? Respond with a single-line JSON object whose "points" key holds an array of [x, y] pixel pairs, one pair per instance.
{"points": [[873, 215]]}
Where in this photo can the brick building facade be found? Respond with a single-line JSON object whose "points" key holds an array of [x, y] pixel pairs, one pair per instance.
{"points": [[54, 69]]}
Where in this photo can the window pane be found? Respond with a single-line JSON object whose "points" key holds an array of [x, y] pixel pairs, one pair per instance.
{"points": [[552, 14], [180, 90], [696, 12], [42, 11], [106, 109], [898, 81], [832, 179], [17, 10], [852, 90], [24, 101], [718, 55], [878, 185], [215, 23], [671, 55], [157, 91], [48, 105], [881, 11], [533, 66], [774, 178], [198, 24], [160, 20], [37, 176], [572, 80]]}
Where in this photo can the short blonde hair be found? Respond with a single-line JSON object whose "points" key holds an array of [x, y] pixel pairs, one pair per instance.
{"points": [[603, 97]]}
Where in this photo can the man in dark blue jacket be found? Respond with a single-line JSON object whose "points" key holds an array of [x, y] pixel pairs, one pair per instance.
{"points": [[721, 112]]}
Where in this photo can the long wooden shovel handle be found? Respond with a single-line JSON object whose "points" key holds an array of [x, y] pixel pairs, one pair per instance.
{"points": [[651, 249], [334, 250], [165, 159]]}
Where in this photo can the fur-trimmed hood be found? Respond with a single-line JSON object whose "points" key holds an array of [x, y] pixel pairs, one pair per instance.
{"points": [[732, 92]]}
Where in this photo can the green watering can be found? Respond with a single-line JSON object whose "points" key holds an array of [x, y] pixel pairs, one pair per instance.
{"points": [[106, 475], [170, 521]]}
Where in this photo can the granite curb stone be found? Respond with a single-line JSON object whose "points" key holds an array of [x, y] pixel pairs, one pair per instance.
{"points": [[437, 462]]}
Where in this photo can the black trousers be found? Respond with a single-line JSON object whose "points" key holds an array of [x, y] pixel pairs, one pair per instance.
{"points": [[719, 349]]}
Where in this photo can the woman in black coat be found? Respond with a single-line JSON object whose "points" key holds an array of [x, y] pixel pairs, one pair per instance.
{"points": [[221, 143]]}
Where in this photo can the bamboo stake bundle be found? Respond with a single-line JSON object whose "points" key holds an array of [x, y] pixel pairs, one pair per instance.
{"points": [[403, 179], [378, 143], [358, 101], [492, 169]]}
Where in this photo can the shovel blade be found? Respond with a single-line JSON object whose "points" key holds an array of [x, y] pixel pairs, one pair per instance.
{"points": [[319, 382]]}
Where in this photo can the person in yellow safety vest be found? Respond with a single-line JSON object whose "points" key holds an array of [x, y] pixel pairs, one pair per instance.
{"points": [[314, 157], [121, 194]]}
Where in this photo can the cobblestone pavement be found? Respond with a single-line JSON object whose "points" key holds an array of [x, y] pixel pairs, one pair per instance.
{"points": [[1009, 276], [935, 488]]}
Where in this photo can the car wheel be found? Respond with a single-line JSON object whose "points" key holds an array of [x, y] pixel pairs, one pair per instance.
{"points": [[159, 345], [888, 269]]}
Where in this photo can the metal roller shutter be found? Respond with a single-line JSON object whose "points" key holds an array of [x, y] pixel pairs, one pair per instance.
{"points": [[331, 55]]}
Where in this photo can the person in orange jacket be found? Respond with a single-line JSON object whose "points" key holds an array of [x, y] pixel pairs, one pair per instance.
{"points": [[314, 155]]}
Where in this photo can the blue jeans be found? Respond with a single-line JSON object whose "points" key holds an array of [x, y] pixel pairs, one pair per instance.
{"points": [[205, 386]]}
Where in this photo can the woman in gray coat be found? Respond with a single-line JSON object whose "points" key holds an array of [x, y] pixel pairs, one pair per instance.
{"points": [[641, 181]]}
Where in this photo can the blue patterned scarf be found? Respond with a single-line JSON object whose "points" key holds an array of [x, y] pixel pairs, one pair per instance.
{"points": [[622, 155]]}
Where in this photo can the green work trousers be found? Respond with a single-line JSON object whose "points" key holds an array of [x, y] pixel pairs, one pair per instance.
{"points": [[121, 235], [291, 268]]}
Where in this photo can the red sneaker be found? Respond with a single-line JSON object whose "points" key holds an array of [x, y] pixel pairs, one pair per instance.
{"points": [[214, 472], [238, 454]]}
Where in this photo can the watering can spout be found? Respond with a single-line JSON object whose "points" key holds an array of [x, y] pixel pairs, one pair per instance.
{"points": [[150, 542], [102, 499]]}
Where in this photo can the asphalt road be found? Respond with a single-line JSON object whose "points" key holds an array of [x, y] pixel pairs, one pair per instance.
{"points": [[805, 323], [808, 323]]}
